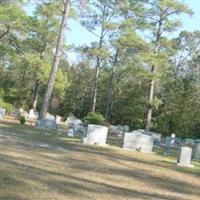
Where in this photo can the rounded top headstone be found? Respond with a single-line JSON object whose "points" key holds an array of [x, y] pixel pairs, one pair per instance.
{"points": [[173, 135]]}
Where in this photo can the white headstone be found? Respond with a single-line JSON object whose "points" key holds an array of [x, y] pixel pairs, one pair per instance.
{"points": [[96, 134], [58, 119], [73, 121], [184, 159], [32, 114], [138, 141], [2, 112]]}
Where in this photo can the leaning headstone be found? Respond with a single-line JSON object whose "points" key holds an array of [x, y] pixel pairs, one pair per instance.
{"points": [[197, 150], [96, 134], [2, 112], [184, 159], [137, 140]]}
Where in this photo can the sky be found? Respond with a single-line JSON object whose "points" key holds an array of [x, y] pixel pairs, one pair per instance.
{"points": [[77, 35]]}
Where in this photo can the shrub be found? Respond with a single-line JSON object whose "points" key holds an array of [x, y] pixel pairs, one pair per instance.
{"points": [[9, 107], [22, 119], [95, 118]]}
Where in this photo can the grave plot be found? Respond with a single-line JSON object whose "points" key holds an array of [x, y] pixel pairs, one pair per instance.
{"points": [[139, 141], [96, 134]]}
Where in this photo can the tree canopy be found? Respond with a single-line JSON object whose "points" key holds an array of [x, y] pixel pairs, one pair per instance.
{"points": [[137, 72]]}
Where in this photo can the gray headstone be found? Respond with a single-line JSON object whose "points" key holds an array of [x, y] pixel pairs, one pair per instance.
{"points": [[118, 130], [78, 130], [50, 117], [156, 136], [2, 112], [170, 142], [96, 134], [190, 142], [197, 150], [138, 141], [46, 123], [70, 132], [184, 159], [126, 128]]}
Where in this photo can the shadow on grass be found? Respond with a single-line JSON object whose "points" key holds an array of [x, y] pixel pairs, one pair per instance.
{"points": [[79, 187]]}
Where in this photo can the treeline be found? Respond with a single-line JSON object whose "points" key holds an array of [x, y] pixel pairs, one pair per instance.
{"points": [[137, 72]]}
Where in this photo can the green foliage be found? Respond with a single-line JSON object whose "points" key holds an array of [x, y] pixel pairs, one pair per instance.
{"points": [[95, 118], [128, 50], [9, 107], [22, 120]]}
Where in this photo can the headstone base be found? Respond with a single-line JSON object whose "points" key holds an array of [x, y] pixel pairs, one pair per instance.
{"points": [[181, 165]]}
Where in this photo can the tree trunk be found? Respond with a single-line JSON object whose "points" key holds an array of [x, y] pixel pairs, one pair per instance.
{"points": [[36, 93], [56, 61], [149, 106], [98, 63], [152, 81], [97, 69], [110, 87]]}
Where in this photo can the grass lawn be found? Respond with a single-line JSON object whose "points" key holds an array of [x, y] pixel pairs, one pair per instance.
{"points": [[41, 165]]}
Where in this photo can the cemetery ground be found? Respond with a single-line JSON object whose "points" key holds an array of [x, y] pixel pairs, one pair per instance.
{"points": [[38, 164]]}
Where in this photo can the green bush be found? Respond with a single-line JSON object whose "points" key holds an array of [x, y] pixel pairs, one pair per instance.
{"points": [[95, 118], [22, 120], [9, 107]]}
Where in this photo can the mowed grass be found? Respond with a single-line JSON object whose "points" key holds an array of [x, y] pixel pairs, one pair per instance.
{"points": [[46, 165]]}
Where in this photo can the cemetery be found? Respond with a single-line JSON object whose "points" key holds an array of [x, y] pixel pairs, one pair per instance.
{"points": [[99, 100], [83, 159]]}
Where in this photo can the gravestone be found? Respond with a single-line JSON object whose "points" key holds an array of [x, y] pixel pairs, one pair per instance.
{"points": [[73, 121], [70, 132], [169, 143], [117, 130], [58, 119], [75, 130], [2, 112], [96, 134], [190, 142], [49, 122], [137, 140], [32, 114], [156, 136], [197, 150], [184, 158], [50, 117], [125, 128], [178, 142]]}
